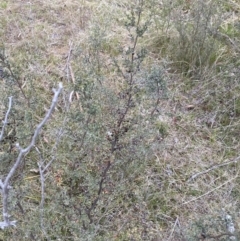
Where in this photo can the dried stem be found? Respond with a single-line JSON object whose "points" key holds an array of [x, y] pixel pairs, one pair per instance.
{"points": [[23, 151], [6, 118], [193, 177]]}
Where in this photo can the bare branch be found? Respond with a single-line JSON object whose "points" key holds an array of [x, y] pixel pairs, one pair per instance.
{"points": [[36, 133], [6, 118], [23, 151]]}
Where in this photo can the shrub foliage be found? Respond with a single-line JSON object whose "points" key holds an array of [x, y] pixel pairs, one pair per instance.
{"points": [[150, 97]]}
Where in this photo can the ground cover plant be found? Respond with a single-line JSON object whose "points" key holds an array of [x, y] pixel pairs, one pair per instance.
{"points": [[142, 137]]}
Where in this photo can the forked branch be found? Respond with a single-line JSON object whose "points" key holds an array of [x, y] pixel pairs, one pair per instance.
{"points": [[4, 185]]}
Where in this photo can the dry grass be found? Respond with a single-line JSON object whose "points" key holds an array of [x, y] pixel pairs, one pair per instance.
{"points": [[200, 117]]}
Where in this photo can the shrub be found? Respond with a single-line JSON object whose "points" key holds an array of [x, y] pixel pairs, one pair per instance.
{"points": [[94, 153]]}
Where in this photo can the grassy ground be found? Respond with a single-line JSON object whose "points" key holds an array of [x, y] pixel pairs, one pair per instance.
{"points": [[188, 181]]}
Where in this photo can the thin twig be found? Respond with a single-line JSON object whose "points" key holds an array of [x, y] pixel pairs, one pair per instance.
{"points": [[214, 189], [212, 168], [68, 66], [175, 224], [16, 79], [6, 117], [72, 73]]}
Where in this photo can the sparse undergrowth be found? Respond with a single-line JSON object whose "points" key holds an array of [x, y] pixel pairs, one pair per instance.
{"points": [[144, 141]]}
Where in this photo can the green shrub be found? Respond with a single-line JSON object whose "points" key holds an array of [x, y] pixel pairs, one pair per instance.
{"points": [[99, 142]]}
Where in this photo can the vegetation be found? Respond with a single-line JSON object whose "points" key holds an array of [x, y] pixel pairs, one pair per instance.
{"points": [[143, 142]]}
